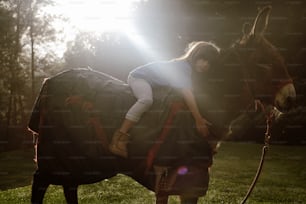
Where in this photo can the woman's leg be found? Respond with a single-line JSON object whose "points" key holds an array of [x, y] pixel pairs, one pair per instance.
{"points": [[143, 92]]}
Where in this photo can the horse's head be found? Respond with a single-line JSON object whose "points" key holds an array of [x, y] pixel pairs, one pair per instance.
{"points": [[265, 71]]}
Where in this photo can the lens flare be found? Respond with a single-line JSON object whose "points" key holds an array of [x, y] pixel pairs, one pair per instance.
{"points": [[182, 170]]}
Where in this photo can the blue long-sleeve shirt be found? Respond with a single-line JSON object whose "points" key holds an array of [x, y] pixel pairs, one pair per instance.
{"points": [[175, 73]]}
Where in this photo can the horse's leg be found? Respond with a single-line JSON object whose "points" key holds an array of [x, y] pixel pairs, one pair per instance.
{"points": [[162, 199], [39, 188], [188, 200], [71, 193]]}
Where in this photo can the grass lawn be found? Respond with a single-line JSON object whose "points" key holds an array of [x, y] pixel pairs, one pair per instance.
{"points": [[283, 179]]}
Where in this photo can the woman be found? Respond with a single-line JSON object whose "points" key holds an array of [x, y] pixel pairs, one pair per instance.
{"points": [[176, 73]]}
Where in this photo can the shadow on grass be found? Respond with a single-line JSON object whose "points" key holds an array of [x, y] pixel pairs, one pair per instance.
{"points": [[16, 169]]}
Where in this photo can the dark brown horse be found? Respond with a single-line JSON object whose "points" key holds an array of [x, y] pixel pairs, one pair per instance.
{"points": [[77, 111]]}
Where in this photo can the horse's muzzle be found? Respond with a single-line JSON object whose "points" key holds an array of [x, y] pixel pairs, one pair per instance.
{"points": [[285, 98]]}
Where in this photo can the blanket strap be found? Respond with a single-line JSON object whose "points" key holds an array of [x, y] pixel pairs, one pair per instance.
{"points": [[94, 121], [175, 107]]}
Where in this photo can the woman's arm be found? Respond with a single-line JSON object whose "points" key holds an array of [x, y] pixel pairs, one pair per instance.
{"points": [[201, 123]]}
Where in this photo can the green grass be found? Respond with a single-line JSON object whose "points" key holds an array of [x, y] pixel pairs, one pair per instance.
{"points": [[283, 179]]}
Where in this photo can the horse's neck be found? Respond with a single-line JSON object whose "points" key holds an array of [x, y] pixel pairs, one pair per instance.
{"points": [[224, 94]]}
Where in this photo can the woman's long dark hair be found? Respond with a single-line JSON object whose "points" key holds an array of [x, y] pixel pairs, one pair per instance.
{"points": [[201, 50]]}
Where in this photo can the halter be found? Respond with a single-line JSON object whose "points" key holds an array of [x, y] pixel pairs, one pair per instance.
{"points": [[282, 84], [275, 87]]}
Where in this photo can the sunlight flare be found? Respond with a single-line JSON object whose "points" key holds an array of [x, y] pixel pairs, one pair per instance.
{"points": [[96, 15]]}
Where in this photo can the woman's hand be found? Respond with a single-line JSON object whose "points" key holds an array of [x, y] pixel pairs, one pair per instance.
{"points": [[202, 126], [201, 123]]}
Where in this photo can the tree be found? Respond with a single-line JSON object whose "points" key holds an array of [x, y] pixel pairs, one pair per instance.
{"points": [[113, 53], [24, 20], [40, 31], [80, 51], [10, 47], [14, 108], [6, 42]]}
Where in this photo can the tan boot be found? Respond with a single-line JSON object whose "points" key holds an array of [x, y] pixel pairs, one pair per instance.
{"points": [[119, 142]]}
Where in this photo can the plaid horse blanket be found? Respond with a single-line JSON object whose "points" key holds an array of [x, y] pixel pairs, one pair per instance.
{"points": [[77, 112]]}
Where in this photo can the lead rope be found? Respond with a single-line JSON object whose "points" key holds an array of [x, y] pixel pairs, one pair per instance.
{"points": [[265, 149]]}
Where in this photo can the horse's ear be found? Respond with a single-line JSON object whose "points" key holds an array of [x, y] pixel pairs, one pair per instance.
{"points": [[261, 21]]}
